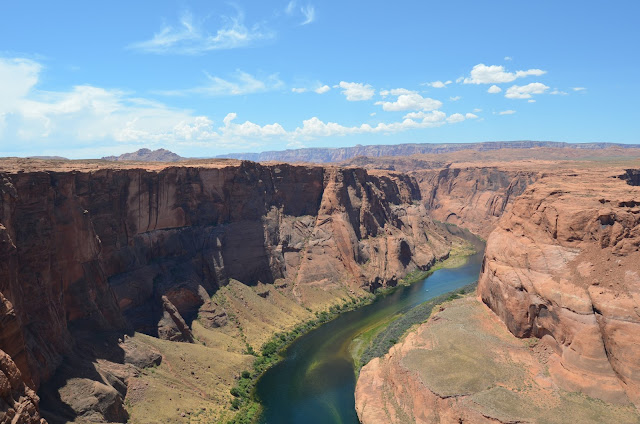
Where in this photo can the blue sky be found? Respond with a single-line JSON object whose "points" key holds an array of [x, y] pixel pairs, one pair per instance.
{"points": [[201, 78]]}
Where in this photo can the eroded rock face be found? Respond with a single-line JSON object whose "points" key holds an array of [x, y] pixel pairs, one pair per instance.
{"points": [[564, 266], [18, 402], [117, 250], [472, 197]]}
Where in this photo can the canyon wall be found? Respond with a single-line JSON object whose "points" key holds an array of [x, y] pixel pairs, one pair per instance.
{"points": [[110, 251], [472, 197], [563, 266]]}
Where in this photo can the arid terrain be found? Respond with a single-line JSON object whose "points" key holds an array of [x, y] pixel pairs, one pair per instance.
{"points": [[561, 274], [136, 291]]}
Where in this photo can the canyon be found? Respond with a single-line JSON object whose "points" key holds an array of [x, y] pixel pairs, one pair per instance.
{"points": [[555, 322], [125, 286]]}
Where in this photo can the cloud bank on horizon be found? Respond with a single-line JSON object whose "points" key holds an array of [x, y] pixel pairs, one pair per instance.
{"points": [[216, 81]]}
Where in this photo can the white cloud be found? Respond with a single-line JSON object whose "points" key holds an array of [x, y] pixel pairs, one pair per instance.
{"points": [[299, 89], [470, 116], [309, 13], [241, 83], [531, 101], [94, 119], [508, 58], [290, 7], [455, 98], [433, 117], [496, 74], [525, 91], [507, 112], [557, 92], [411, 101], [323, 89], [494, 89], [372, 114], [477, 110], [438, 84], [455, 118], [190, 38], [396, 92], [578, 88], [355, 91]]}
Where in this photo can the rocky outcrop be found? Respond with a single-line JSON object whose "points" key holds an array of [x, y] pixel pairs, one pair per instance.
{"points": [[472, 197], [562, 266], [18, 402], [105, 252]]}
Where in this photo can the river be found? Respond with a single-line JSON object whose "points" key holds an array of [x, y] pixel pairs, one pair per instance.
{"points": [[315, 382]]}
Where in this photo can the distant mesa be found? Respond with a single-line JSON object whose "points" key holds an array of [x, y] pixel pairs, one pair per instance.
{"points": [[326, 155], [146, 155]]}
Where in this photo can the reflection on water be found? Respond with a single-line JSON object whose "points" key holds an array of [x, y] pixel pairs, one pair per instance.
{"points": [[315, 383]]}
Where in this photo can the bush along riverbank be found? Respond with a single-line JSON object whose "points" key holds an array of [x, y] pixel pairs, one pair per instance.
{"points": [[244, 401]]}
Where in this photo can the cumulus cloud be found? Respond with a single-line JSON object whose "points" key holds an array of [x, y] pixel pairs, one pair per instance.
{"points": [[470, 116], [87, 115], [557, 92], [507, 112], [456, 117], [455, 98], [477, 110], [355, 91], [240, 83], [494, 89], [323, 89], [89, 118], [496, 74], [411, 101], [396, 92], [189, 37], [508, 58], [438, 84], [299, 89], [578, 88], [525, 91], [531, 101]]}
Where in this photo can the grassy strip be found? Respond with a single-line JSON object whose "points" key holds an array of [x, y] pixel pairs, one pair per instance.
{"points": [[244, 400], [386, 338]]}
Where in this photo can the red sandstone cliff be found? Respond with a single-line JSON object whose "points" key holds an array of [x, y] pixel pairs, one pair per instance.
{"points": [[564, 266], [109, 251]]}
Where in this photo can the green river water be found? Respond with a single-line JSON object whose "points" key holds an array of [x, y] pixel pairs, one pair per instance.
{"points": [[315, 382]]}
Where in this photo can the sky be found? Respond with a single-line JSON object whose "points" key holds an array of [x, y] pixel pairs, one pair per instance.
{"points": [[201, 78]]}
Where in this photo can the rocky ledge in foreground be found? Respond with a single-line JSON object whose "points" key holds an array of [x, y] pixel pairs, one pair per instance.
{"points": [[464, 366]]}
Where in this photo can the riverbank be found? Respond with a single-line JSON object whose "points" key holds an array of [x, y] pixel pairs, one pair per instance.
{"points": [[463, 365], [316, 380], [244, 401]]}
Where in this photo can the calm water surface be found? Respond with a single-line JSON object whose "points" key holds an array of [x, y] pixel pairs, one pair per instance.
{"points": [[315, 383]]}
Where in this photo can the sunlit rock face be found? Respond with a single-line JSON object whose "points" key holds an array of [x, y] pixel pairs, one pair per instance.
{"points": [[563, 266]]}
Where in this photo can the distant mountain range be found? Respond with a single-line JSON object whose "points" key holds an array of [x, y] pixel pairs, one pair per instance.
{"points": [[325, 155], [146, 155], [342, 154]]}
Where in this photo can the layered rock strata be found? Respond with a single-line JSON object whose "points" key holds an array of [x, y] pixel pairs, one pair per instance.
{"points": [[563, 266], [111, 251]]}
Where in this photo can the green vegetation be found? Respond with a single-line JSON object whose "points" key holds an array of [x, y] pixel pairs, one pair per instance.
{"points": [[382, 342], [244, 400]]}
